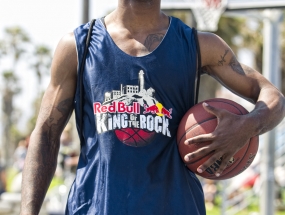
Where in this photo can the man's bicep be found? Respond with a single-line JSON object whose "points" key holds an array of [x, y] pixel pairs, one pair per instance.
{"points": [[220, 62], [241, 80], [57, 103]]}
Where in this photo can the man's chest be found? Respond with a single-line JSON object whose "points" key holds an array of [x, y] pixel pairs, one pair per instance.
{"points": [[137, 45]]}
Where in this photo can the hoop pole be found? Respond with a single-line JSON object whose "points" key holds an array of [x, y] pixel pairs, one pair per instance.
{"points": [[85, 11], [271, 70]]}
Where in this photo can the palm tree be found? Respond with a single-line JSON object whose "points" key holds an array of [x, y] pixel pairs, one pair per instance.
{"points": [[41, 66], [12, 48]]}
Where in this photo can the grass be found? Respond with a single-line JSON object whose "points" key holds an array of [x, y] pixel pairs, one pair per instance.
{"points": [[250, 211], [253, 199]]}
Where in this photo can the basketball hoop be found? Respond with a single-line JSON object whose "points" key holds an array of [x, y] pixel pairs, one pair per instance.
{"points": [[208, 12], [213, 3]]}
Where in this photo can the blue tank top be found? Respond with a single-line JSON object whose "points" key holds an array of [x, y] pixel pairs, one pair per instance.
{"points": [[129, 162]]}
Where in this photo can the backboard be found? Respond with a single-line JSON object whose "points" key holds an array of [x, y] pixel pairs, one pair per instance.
{"points": [[207, 12]]}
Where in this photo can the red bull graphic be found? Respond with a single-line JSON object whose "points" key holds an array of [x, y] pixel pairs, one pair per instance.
{"points": [[151, 109], [158, 109], [166, 112], [133, 113]]}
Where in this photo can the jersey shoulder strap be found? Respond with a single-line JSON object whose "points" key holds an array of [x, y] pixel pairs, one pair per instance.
{"points": [[81, 70], [198, 74]]}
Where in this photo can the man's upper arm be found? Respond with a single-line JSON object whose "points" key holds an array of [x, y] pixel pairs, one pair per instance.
{"points": [[219, 61], [57, 102]]}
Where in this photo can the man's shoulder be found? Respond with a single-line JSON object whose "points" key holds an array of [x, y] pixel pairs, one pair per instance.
{"points": [[210, 43], [68, 38], [208, 36], [65, 55]]}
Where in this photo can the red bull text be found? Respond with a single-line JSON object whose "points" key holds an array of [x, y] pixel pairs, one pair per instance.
{"points": [[118, 115]]}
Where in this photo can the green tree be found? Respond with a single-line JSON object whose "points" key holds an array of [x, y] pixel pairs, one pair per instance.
{"points": [[14, 46], [12, 49], [42, 63], [41, 66]]}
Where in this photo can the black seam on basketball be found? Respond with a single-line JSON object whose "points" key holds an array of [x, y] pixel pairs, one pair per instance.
{"points": [[210, 100], [225, 101], [223, 176], [195, 125]]}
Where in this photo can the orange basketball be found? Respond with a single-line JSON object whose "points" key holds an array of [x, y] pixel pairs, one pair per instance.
{"points": [[197, 121]]}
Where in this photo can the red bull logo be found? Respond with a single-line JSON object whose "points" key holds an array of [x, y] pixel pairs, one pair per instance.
{"points": [[158, 109], [118, 115], [119, 107], [127, 112]]}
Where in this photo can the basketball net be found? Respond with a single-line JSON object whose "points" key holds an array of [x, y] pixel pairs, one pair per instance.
{"points": [[208, 12]]}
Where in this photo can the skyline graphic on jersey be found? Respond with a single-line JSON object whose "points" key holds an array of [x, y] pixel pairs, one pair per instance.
{"points": [[133, 113]]}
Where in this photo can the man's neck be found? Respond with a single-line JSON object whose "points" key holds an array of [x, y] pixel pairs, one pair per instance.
{"points": [[138, 15]]}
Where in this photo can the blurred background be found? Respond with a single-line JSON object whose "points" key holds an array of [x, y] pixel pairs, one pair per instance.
{"points": [[29, 33]]}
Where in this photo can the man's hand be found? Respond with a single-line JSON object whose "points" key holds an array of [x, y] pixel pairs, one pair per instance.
{"points": [[224, 142]]}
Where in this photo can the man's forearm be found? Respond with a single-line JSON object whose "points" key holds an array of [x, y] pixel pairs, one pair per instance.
{"points": [[40, 165], [269, 110]]}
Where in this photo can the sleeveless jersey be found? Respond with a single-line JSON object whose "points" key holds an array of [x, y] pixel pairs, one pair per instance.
{"points": [[129, 162]]}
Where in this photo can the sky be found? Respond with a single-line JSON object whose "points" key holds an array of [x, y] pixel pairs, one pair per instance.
{"points": [[45, 21], [48, 20]]}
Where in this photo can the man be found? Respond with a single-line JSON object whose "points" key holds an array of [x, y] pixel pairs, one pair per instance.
{"points": [[138, 82]]}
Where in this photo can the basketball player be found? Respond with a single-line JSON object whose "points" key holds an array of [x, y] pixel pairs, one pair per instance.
{"points": [[129, 162]]}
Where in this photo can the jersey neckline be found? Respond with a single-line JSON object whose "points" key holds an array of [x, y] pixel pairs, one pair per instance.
{"points": [[120, 50]]}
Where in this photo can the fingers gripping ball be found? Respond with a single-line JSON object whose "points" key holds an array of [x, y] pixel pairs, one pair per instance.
{"points": [[198, 121]]}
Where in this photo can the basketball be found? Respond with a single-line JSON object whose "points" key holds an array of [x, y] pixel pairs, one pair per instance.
{"points": [[198, 121]]}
